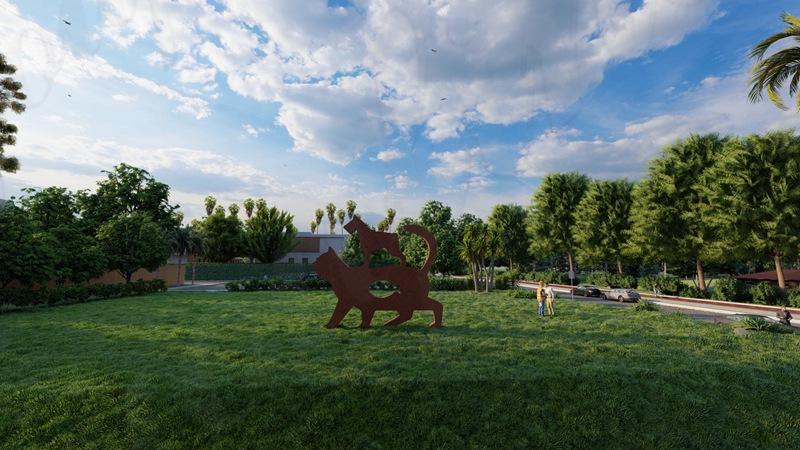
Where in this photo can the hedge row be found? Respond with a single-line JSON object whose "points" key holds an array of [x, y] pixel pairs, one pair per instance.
{"points": [[30, 298], [213, 271], [282, 284]]}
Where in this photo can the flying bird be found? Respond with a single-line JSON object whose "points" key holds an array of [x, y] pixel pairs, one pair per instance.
{"points": [[65, 21], [433, 50], [443, 99]]}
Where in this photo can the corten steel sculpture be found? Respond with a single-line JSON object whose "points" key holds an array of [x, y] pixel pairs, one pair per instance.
{"points": [[351, 284]]}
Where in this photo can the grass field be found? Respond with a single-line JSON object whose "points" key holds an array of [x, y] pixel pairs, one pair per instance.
{"points": [[258, 370]]}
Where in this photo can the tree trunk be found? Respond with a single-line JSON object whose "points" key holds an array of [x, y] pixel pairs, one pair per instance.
{"points": [[571, 266], [180, 260], [701, 279], [194, 267], [474, 266], [619, 265], [779, 271], [665, 269]]}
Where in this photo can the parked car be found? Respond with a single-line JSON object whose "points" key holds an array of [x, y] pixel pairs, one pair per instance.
{"points": [[586, 291], [311, 276], [623, 295]]}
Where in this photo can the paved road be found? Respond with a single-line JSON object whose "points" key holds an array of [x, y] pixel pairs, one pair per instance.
{"points": [[706, 310]]}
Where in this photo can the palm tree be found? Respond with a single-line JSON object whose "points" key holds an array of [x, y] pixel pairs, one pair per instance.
{"points": [[210, 203], [249, 205], [390, 213], [351, 209], [318, 215], [340, 215], [313, 226], [331, 210], [770, 73], [180, 242]]}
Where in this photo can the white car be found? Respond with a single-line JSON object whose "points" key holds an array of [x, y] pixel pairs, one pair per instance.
{"points": [[623, 295]]}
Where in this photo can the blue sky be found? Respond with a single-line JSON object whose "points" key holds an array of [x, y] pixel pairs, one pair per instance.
{"points": [[387, 103]]}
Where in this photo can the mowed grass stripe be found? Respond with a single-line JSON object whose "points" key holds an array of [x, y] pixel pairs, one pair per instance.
{"points": [[234, 370]]}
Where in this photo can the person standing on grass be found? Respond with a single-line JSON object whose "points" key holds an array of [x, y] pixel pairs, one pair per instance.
{"points": [[784, 316], [540, 297], [550, 296]]}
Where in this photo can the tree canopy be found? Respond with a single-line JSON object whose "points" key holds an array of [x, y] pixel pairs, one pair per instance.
{"points": [[11, 97]]}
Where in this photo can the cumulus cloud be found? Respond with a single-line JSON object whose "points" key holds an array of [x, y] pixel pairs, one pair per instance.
{"points": [[459, 162], [389, 155], [348, 76]]}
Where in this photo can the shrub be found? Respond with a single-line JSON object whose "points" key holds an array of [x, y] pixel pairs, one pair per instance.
{"points": [[691, 291], [793, 298], [522, 293], [766, 294], [728, 289], [645, 305], [755, 323], [506, 280], [451, 284], [598, 278], [555, 277], [622, 280]]}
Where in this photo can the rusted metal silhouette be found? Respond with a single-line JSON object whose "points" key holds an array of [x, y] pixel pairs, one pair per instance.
{"points": [[351, 284]]}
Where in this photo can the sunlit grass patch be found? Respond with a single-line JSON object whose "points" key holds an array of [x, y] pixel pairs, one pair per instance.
{"points": [[232, 370]]}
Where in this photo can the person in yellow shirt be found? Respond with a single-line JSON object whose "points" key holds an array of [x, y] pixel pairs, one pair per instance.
{"points": [[540, 297]]}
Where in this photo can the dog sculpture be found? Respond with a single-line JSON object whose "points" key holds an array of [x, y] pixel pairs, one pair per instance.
{"points": [[351, 286], [372, 240]]}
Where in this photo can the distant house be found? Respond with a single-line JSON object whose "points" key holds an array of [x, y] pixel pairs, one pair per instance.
{"points": [[312, 245], [792, 277]]}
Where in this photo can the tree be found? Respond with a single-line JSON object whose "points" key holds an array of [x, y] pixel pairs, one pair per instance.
{"points": [[437, 218], [770, 73], [76, 256], [509, 222], [249, 205], [270, 234], [11, 97], [351, 209], [223, 237], [133, 241], [331, 210], [180, 241], [128, 189], [552, 214], [340, 215], [233, 209], [210, 203], [671, 208], [759, 174], [318, 215], [24, 251], [313, 226], [390, 214], [602, 222]]}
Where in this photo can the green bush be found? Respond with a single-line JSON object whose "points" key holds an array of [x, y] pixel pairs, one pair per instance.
{"points": [[506, 280], [622, 280], [451, 284], [645, 305], [555, 277], [729, 289], [792, 298], [766, 294], [668, 285], [691, 291], [522, 293], [598, 279], [755, 323], [214, 271]]}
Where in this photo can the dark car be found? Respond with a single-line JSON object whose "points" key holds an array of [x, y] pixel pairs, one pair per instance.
{"points": [[311, 276], [586, 291], [623, 295]]}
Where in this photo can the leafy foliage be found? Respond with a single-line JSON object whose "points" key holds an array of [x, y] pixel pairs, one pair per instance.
{"points": [[552, 214], [270, 234], [11, 97], [766, 294], [768, 74], [602, 222], [729, 289], [132, 242]]}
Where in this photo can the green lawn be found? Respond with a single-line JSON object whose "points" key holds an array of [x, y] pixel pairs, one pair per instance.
{"points": [[258, 370]]}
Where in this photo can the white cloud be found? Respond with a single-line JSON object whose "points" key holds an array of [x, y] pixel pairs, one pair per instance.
{"points": [[389, 155], [459, 162], [401, 181]]}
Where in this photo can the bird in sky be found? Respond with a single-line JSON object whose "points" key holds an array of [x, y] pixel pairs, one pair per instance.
{"points": [[433, 50], [65, 21], [443, 99]]}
